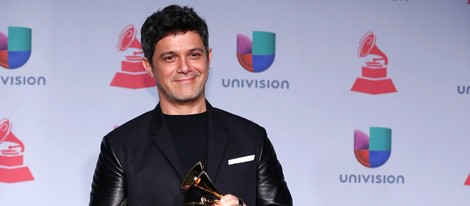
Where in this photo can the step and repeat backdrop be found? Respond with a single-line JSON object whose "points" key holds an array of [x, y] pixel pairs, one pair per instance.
{"points": [[367, 102]]}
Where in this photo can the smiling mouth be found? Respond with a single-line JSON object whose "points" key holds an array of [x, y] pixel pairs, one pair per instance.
{"points": [[185, 79]]}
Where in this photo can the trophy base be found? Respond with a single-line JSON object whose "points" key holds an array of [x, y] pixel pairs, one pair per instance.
{"points": [[17, 174], [132, 81], [370, 86]]}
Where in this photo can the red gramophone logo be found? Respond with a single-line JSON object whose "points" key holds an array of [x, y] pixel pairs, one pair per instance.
{"points": [[132, 74], [374, 74], [11, 156], [467, 182]]}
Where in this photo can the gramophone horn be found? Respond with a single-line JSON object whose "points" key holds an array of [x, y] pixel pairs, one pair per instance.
{"points": [[4, 129], [203, 182], [192, 175], [7, 136], [198, 178], [367, 46], [127, 39]]}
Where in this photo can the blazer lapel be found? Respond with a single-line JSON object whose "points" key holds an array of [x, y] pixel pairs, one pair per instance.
{"points": [[218, 142], [161, 138]]}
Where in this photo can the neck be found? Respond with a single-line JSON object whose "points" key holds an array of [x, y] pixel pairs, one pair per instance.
{"points": [[183, 108]]}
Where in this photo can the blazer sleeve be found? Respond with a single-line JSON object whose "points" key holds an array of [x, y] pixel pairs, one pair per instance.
{"points": [[272, 188], [109, 185]]}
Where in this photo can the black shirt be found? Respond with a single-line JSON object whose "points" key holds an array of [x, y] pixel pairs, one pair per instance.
{"points": [[189, 134]]}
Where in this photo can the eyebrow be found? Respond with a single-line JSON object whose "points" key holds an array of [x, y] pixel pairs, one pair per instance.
{"points": [[197, 49], [162, 55]]}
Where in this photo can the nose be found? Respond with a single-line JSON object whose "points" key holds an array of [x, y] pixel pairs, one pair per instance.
{"points": [[184, 66]]}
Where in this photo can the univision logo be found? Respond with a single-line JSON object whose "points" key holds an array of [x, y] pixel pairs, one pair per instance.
{"points": [[375, 150], [372, 152], [463, 89], [15, 49], [256, 56]]}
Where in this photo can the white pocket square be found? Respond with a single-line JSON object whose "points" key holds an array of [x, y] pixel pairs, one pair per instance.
{"points": [[241, 159]]}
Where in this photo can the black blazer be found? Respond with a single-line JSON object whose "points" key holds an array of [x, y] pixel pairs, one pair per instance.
{"points": [[138, 164]]}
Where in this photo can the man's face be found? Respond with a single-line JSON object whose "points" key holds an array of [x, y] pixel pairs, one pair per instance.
{"points": [[180, 68]]}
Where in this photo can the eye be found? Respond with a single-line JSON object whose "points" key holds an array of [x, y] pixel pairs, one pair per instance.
{"points": [[195, 55], [168, 58]]}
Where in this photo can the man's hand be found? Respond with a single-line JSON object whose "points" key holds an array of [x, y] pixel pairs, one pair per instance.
{"points": [[230, 200]]}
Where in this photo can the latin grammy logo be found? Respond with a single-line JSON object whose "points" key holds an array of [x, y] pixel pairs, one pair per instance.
{"points": [[374, 74], [11, 156], [132, 74]]}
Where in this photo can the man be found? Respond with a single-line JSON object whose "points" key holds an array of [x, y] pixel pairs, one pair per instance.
{"points": [[144, 161]]}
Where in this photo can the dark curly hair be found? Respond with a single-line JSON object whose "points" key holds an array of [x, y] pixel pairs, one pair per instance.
{"points": [[170, 20]]}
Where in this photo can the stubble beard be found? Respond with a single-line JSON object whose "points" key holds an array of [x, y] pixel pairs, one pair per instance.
{"points": [[175, 97]]}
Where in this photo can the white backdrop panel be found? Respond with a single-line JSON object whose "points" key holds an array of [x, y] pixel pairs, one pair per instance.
{"points": [[311, 123]]}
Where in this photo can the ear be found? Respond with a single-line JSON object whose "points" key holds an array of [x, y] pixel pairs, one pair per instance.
{"points": [[148, 67], [209, 56]]}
